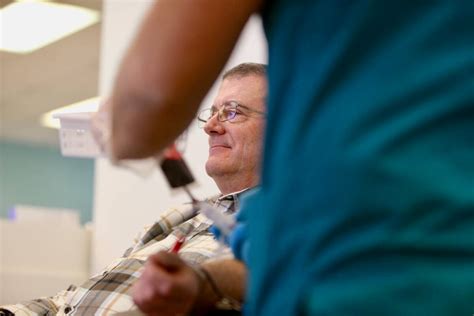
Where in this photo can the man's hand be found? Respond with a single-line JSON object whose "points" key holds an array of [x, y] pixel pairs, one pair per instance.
{"points": [[168, 286]]}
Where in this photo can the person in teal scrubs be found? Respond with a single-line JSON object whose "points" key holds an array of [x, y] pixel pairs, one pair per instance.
{"points": [[367, 198], [366, 204]]}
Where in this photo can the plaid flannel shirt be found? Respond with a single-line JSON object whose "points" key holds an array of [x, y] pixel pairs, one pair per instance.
{"points": [[109, 292]]}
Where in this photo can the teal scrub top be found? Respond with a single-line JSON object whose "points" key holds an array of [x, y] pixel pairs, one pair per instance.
{"points": [[367, 198]]}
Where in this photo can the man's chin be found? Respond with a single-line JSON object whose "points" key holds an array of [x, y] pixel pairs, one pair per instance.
{"points": [[215, 167]]}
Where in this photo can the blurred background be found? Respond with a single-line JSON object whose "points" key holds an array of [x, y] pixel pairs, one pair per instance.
{"points": [[63, 219], [49, 59], [33, 82]]}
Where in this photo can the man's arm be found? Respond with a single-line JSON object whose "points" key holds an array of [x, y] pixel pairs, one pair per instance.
{"points": [[169, 286], [229, 277], [40, 306], [174, 59]]}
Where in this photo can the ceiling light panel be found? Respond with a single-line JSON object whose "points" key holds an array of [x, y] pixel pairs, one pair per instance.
{"points": [[28, 25], [89, 105]]}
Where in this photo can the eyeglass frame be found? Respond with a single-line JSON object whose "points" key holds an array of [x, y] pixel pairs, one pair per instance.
{"points": [[232, 105]]}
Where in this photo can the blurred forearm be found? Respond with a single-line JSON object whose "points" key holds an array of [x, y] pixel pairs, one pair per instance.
{"points": [[176, 56]]}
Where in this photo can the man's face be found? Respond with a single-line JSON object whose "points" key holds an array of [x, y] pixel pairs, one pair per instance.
{"points": [[235, 147]]}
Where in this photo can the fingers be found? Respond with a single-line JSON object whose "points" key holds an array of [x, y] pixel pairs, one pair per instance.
{"points": [[167, 286], [167, 260], [239, 242], [100, 125]]}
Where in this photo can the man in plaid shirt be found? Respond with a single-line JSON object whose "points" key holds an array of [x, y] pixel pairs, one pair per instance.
{"points": [[234, 124]]}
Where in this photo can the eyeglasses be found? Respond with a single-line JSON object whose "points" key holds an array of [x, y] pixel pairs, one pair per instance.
{"points": [[230, 111]]}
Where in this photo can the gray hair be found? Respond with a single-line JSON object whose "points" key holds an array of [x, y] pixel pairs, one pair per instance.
{"points": [[246, 69]]}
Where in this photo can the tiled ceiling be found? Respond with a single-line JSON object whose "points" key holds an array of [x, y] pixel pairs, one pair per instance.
{"points": [[56, 75]]}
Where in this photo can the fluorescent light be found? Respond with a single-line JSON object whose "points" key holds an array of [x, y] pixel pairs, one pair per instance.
{"points": [[28, 25], [89, 105]]}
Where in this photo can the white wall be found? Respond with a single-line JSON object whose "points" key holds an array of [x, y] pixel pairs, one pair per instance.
{"points": [[124, 202], [35, 263]]}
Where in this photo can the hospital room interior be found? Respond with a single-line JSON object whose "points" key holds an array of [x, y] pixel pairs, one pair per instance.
{"points": [[65, 216], [258, 158]]}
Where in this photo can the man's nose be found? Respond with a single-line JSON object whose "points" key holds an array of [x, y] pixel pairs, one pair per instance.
{"points": [[214, 126]]}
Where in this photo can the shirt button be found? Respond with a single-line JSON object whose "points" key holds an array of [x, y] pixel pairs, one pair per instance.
{"points": [[68, 309]]}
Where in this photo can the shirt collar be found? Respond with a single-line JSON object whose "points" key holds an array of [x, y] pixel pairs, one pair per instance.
{"points": [[231, 202]]}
